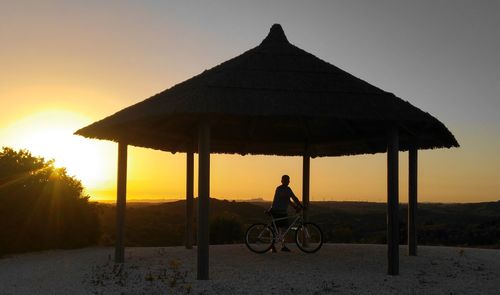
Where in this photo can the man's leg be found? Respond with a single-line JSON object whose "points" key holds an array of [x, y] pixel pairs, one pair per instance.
{"points": [[283, 239], [279, 238]]}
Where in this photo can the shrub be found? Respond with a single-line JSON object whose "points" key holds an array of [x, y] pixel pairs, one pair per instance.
{"points": [[41, 207]]}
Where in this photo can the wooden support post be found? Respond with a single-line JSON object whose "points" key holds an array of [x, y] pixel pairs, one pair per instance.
{"points": [[392, 202], [305, 185], [189, 199], [121, 202], [203, 199], [412, 200]]}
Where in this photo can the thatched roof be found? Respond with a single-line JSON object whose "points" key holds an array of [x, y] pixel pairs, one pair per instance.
{"points": [[274, 99]]}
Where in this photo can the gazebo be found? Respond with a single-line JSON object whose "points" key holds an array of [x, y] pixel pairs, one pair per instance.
{"points": [[274, 99]]}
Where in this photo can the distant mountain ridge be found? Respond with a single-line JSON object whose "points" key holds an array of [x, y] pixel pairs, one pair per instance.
{"points": [[163, 224]]}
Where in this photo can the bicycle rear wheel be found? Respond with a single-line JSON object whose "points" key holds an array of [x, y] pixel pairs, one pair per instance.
{"points": [[259, 238], [309, 237]]}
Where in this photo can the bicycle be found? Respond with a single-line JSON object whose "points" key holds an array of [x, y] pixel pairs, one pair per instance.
{"points": [[260, 237]]}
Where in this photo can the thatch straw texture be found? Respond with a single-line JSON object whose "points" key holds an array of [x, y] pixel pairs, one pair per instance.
{"points": [[275, 99]]}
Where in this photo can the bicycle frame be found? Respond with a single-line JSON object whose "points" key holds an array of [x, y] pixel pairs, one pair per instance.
{"points": [[296, 222]]}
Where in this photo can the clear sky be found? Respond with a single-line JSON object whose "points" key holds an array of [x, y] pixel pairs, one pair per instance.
{"points": [[66, 64]]}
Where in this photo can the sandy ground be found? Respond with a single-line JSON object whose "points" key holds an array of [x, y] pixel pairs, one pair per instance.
{"points": [[335, 269]]}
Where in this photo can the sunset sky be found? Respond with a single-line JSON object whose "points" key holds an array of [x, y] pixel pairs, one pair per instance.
{"points": [[66, 64]]}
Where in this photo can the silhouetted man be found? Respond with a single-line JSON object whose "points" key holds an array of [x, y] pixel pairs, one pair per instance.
{"points": [[282, 197]]}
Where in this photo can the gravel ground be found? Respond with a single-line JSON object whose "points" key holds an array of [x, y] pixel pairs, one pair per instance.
{"points": [[335, 269]]}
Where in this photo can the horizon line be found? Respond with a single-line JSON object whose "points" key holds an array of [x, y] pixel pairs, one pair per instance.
{"points": [[153, 201]]}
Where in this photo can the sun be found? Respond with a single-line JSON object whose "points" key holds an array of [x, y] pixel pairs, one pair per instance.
{"points": [[50, 134]]}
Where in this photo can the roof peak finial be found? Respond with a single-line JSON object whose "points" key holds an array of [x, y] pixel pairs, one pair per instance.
{"points": [[276, 35]]}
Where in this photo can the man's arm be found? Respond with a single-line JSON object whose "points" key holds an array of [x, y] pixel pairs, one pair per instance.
{"points": [[275, 195], [296, 203]]}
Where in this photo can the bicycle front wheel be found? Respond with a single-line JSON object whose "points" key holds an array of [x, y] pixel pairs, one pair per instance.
{"points": [[309, 237], [259, 238]]}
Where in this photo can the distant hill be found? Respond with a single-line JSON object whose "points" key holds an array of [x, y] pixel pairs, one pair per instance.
{"points": [[474, 224]]}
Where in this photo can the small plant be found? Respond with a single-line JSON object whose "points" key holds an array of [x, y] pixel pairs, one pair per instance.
{"points": [[177, 274], [149, 277], [326, 288], [174, 264], [188, 288]]}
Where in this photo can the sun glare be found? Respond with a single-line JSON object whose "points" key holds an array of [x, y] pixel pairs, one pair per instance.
{"points": [[50, 134]]}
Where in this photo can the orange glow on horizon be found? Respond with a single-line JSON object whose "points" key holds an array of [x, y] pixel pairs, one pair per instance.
{"points": [[49, 134], [157, 175]]}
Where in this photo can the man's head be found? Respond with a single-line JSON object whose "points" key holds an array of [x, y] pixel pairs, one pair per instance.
{"points": [[285, 180]]}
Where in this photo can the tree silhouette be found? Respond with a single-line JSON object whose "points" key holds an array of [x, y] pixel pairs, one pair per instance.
{"points": [[41, 207]]}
